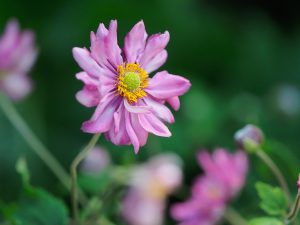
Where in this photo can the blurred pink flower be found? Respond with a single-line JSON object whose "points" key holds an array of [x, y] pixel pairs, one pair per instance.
{"points": [[129, 103], [17, 55], [151, 183], [298, 183], [224, 176], [97, 160]]}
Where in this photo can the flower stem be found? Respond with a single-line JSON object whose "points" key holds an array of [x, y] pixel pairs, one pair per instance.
{"points": [[73, 169], [32, 140], [233, 217], [279, 176], [294, 211]]}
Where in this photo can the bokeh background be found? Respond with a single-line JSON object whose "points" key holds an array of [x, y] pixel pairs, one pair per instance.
{"points": [[242, 57]]}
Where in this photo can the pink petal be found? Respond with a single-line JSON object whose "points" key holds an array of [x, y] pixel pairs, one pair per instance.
{"points": [[131, 133], [174, 102], [164, 85], [153, 125], [86, 79], [160, 110], [141, 133], [88, 96], [118, 134], [156, 62], [86, 62], [155, 44], [102, 119], [136, 108], [113, 49], [10, 36], [135, 42], [16, 86]]}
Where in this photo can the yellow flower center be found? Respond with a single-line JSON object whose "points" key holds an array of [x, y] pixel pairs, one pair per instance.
{"points": [[131, 82]]}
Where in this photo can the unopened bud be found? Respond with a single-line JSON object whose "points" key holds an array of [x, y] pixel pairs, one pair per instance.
{"points": [[249, 138]]}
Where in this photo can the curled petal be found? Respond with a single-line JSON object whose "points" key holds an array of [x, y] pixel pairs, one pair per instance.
{"points": [[135, 42], [136, 108], [88, 96], [160, 110], [102, 119], [164, 85], [131, 133], [153, 125], [141, 133]]}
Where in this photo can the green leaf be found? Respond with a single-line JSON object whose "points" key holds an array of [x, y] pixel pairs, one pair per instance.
{"points": [[35, 206], [265, 221], [273, 201]]}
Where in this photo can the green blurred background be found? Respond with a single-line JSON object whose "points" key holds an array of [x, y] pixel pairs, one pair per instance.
{"points": [[242, 57]]}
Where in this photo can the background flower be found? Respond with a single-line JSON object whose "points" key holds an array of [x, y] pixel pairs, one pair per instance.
{"points": [[224, 176], [17, 55], [151, 183]]}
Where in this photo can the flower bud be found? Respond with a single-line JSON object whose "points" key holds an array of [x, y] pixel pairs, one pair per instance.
{"points": [[249, 138], [298, 183], [96, 161]]}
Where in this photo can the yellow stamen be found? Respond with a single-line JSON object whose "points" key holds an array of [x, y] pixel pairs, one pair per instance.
{"points": [[131, 82]]}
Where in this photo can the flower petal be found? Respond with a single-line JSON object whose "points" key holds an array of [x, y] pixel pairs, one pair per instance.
{"points": [[16, 86], [141, 133], [88, 96], [113, 50], [160, 110], [136, 108], [155, 44], [131, 133], [156, 62], [102, 119], [86, 62], [135, 42], [10, 36], [153, 125], [164, 85], [174, 102]]}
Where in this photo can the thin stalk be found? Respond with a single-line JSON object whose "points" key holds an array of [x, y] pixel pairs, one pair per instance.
{"points": [[277, 173], [233, 217], [294, 211], [73, 170], [32, 140]]}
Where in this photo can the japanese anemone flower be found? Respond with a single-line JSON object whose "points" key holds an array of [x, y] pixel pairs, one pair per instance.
{"points": [[129, 104], [17, 55]]}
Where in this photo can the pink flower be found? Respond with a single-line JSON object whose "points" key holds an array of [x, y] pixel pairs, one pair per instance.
{"points": [[96, 161], [224, 176], [151, 183], [129, 103], [230, 169], [298, 183], [17, 55]]}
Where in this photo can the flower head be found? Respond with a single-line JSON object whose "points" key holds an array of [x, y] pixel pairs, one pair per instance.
{"points": [[130, 104], [224, 176], [249, 133], [17, 55], [150, 185]]}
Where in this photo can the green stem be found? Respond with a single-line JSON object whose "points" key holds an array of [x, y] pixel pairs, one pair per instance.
{"points": [[233, 217], [294, 211], [32, 140], [277, 173], [73, 169]]}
